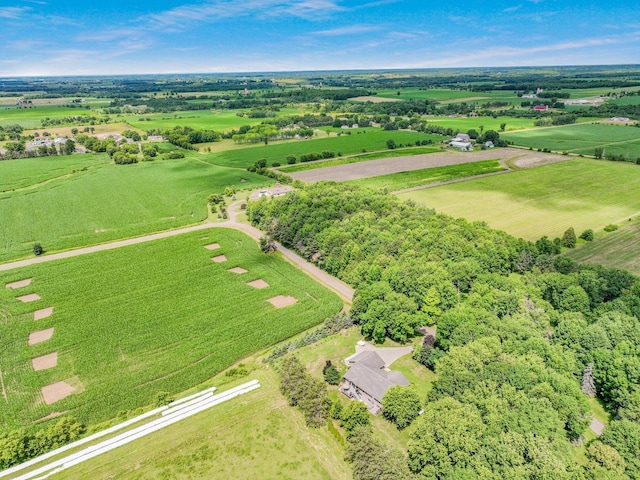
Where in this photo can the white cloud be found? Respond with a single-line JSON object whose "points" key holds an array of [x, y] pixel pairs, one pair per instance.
{"points": [[347, 30], [13, 13]]}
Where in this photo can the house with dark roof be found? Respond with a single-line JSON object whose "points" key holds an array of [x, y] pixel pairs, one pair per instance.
{"points": [[368, 380]]}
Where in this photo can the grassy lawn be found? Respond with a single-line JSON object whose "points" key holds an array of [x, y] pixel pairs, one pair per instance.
{"points": [[157, 316], [617, 249], [359, 140], [404, 152], [254, 436], [544, 200], [426, 176], [582, 138], [106, 201]]}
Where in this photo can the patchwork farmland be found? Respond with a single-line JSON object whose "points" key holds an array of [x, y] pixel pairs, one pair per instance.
{"points": [[132, 322]]}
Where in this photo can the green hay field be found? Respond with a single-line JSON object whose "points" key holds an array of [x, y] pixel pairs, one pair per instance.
{"points": [[369, 140], [31, 117], [617, 249], [530, 203], [582, 139], [426, 176], [106, 201], [157, 316]]}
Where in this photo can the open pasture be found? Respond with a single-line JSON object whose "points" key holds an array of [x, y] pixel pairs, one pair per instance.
{"points": [[218, 120], [618, 249], [368, 140], [488, 123], [445, 95], [31, 117], [541, 201], [107, 201], [426, 176], [582, 139], [159, 316]]}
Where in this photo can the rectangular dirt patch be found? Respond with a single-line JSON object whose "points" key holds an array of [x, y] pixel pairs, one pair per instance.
{"points": [[212, 246], [40, 336], [238, 270], [219, 259], [32, 297], [258, 284], [42, 313], [45, 361], [282, 301], [19, 283], [56, 392]]}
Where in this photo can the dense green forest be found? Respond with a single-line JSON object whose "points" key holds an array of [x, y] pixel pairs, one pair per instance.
{"points": [[519, 333]]}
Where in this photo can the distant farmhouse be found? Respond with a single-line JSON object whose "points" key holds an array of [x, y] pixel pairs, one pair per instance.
{"points": [[541, 108], [367, 380], [462, 142]]}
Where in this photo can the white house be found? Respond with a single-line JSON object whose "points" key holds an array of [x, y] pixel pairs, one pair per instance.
{"points": [[464, 146]]}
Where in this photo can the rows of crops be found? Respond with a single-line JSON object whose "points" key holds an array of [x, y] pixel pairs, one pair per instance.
{"points": [[158, 316], [107, 201]]}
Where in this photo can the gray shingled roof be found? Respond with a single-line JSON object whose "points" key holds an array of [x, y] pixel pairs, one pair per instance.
{"points": [[373, 380]]}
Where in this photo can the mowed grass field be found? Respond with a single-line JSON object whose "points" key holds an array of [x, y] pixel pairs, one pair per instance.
{"points": [[529, 203], [618, 249], [426, 176], [105, 201], [582, 139], [134, 321], [254, 436], [368, 140]]}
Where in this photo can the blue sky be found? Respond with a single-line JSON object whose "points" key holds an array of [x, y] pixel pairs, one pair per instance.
{"points": [[40, 37]]}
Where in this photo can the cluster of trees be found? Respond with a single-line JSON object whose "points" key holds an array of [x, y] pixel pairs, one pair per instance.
{"points": [[565, 119], [304, 391], [310, 157], [516, 331], [10, 132], [187, 137], [20, 445], [73, 120]]}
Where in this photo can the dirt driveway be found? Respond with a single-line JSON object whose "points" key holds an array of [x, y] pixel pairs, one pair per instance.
{"points": [[374, 168]]}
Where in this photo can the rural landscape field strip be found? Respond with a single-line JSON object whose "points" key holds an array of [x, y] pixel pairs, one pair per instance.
{"points": [[546, 200], [428, 176], [170, 415], [376, 168], [111, 202], [159, 324]]}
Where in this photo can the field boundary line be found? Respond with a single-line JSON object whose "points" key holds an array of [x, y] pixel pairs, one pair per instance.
{"points": [[4, 392]]}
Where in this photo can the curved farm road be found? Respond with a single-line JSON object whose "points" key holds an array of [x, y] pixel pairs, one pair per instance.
{"points": [[341, 288]]}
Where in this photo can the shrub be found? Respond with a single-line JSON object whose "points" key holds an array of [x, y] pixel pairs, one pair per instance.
{"points": [[587, 235], [611, 228], [569, 238], [37, 249], [331, 374], [291, 159]]}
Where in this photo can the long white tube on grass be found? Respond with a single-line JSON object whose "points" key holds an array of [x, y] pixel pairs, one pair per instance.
{"points": [[180, 413]]}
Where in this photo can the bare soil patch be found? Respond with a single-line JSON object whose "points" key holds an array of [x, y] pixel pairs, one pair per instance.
{"points": [[219, 259], [212, 246], [40, 336], [282, 301], [42, 313], [56, 392], [386, 166], [45, 361], [373, 99], [238, 270], [19, 283], [258, 284], [32, 297]]}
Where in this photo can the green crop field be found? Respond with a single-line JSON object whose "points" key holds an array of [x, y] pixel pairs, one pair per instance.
{"points": [[369, 140], [31, 117], [426, 176], [27, 172], [618, 249], [363, 157], [157, 316], [445, 95], [489, 123], [582, 139], [545, 200], [106, 201]]}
